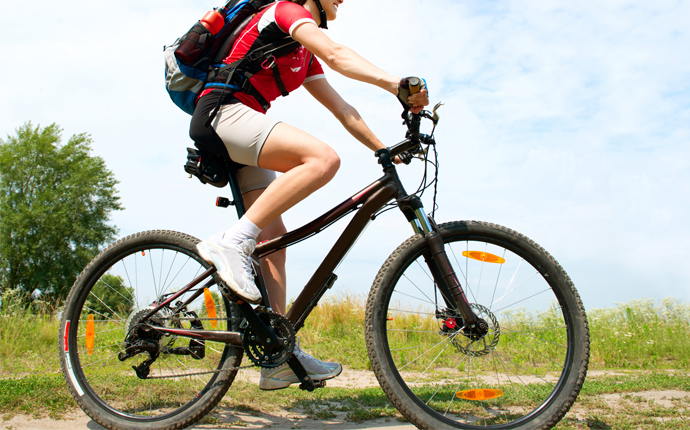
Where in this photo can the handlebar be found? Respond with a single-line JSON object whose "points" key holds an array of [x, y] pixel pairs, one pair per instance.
{"points": [[414, 84], [414, 140]]}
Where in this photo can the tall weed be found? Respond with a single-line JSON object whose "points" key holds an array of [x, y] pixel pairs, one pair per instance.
{"points": [[641, 334], [28, 335], [334, 331]]}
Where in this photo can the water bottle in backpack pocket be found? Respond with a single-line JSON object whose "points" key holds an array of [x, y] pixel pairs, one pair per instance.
{"points": [[195, 47]]}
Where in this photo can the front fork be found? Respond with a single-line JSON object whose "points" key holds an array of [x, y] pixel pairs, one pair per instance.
{"points": [[439, 264]]}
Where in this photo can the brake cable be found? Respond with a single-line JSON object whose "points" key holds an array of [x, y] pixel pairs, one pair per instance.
{"points": [[424, 185]]}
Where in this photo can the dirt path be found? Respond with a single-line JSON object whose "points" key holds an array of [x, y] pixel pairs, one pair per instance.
{"points": [[641, 404], [289, 420], [79, 421]]}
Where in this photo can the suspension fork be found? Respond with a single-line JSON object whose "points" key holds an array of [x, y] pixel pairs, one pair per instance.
{"points": [[439, 264]]}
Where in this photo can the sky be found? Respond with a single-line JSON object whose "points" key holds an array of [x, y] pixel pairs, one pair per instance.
{"points": [[566, 121]]}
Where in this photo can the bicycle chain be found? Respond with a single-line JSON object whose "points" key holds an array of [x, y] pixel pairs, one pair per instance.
{"points": [[199, 373], [191, 319], [254, 364]]}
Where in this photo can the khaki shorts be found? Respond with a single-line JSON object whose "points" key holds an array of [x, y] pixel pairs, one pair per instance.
{"points": [[252, 178], [244, 131]]}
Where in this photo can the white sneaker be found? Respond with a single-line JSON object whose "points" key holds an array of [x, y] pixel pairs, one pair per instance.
{"points": [[234, 265], [283, 376]]}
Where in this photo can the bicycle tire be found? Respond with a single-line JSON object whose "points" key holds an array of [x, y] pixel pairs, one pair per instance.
{"points": [[534, 360], [115, 289]]}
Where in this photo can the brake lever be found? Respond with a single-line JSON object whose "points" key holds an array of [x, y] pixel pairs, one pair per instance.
{"points": [[433, 116], [405, 157]]}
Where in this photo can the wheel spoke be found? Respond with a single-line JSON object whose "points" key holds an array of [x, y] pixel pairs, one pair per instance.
{"points": [[526, 298], [167, 380], [514, 362]]}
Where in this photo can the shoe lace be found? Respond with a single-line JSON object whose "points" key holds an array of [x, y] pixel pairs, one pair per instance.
{"points": [[299, 351], [246, 258]]}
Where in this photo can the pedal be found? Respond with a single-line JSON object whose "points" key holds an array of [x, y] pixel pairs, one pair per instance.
{"points": [[317, 384], [228, 293]]}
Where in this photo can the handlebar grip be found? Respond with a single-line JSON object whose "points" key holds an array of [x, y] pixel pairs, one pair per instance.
{"points": [[415, 85]]}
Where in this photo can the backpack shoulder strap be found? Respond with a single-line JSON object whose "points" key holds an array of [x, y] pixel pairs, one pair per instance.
{"points": [[258, 56]]}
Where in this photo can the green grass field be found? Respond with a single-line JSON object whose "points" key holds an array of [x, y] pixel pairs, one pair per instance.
{"points": [[642, 341]]}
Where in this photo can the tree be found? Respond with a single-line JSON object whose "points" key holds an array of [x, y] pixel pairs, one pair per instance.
{"points": [[55, 204]]}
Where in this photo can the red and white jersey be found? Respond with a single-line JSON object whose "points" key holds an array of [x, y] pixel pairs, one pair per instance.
{"points": [[269, 25]]}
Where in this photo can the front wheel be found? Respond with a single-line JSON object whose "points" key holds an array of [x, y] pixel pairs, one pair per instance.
{"points": [[525, 373], [170, 381]]}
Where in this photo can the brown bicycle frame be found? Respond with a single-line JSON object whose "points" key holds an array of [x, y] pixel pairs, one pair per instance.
{"points": [[366, 203]]}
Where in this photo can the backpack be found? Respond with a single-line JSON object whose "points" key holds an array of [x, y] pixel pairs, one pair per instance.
{"points": [[194, 61]]}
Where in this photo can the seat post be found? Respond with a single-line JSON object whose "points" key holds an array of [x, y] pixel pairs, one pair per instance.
{"points": [[235, 188]]}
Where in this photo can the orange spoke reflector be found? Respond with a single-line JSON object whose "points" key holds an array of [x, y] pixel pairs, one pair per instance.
{"points": [[210, 307], [90, 334], [479, 394], [143, 253], [483, 256]]}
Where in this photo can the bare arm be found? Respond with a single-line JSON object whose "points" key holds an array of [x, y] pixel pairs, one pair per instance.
{"points": [[343, 59], [348, 116], [348, 63]]}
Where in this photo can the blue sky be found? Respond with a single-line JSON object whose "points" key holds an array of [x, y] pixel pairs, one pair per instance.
{"points": [[566, 121]]}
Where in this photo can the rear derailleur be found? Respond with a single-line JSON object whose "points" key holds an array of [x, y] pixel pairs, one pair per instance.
{"points": [[142, 337]]}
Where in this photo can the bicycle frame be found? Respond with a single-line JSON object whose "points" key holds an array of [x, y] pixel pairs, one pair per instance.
{"points": [[366, 202]]}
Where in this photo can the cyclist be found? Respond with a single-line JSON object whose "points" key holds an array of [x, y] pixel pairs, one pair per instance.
{"points": [[266, 146]]}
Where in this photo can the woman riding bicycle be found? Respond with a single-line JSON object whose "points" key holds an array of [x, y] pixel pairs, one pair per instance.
{"points": [[266, 146]]}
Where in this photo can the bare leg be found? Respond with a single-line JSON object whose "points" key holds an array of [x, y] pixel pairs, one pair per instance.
{"points": [[273, 266], [307, 165]]}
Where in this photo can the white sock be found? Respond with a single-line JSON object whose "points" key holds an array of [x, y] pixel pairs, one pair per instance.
{"points": [[243, 230]]}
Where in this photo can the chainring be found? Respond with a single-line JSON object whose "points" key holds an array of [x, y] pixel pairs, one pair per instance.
{"points": [[286, 337]]}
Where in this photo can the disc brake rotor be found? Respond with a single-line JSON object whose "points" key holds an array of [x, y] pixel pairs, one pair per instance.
{"points": [[470, 344]]}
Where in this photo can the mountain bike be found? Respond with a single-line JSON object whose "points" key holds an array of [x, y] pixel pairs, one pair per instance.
{"points": [[468, 324]]}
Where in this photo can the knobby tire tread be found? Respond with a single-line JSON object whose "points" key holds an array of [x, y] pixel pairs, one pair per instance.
{"points": [[93, 410], [404, 404]]}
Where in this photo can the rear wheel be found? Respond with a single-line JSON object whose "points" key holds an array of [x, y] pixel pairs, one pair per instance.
{"points": [[177, 380], [525, 373]]}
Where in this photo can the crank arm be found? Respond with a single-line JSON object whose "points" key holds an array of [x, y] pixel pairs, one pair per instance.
{"points": [[306, 382], [265, 335]]}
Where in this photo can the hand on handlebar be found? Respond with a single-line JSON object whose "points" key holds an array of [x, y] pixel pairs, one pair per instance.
{"points": [[412, 94], [418, 101]]}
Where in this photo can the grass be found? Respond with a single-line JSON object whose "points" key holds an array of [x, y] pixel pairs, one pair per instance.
{"points": [[643, 336], [38, 395], [28, 337]]}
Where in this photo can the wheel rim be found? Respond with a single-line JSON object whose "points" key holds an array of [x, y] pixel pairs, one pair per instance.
{"points": [[111, 304], [523, 359]]}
